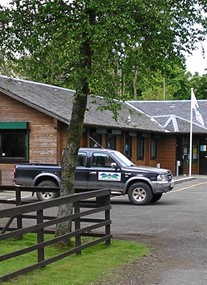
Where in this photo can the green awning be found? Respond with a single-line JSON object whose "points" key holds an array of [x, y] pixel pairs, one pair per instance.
{"points": [[13, 125]]}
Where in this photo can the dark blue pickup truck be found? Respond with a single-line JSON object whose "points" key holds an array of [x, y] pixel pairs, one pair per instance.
{"points": [[101, 168]]}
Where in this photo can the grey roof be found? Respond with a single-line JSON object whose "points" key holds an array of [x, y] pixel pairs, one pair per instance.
{"points": [[57, 103], [174, 115]]}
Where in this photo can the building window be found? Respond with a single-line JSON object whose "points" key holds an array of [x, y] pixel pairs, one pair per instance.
{"points": [[111, 141], [95, 139], [13, 142], [153, 148], [128, 145], [140, 146]]}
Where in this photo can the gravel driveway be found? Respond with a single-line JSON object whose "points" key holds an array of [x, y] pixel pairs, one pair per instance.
{"points": [[174, 228]]}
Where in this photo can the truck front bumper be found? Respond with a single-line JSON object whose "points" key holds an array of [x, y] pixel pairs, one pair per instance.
{"points": [[162, 186]]}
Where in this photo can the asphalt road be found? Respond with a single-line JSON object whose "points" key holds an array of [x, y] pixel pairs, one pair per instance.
{"points": [[175, 227]]}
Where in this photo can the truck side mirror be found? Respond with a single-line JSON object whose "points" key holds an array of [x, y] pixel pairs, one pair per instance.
{"points": [[114, 165]]}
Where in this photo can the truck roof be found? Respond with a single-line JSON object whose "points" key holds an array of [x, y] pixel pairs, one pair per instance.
{"points": [[95, 149]]}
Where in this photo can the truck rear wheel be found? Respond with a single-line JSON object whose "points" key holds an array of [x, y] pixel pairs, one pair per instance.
{"points": [[140, 194], [42, 196]]}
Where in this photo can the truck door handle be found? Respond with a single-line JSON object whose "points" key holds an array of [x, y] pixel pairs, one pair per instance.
{"points": [[93, 172]]}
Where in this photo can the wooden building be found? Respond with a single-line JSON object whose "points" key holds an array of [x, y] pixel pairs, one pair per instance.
{"points": [[34, 118], [175, 117]]}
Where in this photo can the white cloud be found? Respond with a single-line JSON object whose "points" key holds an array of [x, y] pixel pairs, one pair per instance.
{"points": [[5, 2], [197, 62]]}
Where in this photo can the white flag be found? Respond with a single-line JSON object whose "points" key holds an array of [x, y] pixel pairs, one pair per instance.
{"points": [[195, 107]]}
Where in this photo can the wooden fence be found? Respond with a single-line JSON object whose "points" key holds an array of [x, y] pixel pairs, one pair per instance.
{"points": [[84, 223]]}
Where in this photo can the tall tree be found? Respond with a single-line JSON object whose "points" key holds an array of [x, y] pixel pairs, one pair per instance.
{"points": [[199, 83], [88, 44]]}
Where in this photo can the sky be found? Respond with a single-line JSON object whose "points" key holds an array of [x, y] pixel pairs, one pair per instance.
{"points": [[194, 63], [197, 62]]}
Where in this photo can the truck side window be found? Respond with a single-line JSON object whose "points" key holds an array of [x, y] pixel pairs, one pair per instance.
{"points": [[101, 160], [81, 161]]}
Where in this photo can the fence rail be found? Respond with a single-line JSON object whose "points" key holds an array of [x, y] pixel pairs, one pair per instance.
{"points": [[93, 220]]}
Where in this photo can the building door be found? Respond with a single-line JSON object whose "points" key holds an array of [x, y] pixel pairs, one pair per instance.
{"points": [[180, 155], [203, 156]]}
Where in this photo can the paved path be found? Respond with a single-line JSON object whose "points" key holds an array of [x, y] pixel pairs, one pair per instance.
{"points": [[176, 230]]}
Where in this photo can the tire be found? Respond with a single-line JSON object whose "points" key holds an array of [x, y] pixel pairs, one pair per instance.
{"points": [[140, 194], [156, 198], [42, 196]]}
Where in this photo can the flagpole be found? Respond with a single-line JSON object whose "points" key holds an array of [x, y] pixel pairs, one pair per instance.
{"points": [[191, 135], [199, 118]]}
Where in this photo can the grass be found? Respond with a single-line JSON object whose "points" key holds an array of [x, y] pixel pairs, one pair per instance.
{"points": [[94, 263]]}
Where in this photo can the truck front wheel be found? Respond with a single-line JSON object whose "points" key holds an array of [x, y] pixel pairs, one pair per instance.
{"points": [[140, 194], [46, 195]]}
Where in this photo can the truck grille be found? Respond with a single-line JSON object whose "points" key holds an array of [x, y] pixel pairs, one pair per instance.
{"points": [[169, 176]]}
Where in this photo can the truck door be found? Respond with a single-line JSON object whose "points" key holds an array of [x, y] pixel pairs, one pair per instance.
{"points": [[102, 174], [81, 173]]}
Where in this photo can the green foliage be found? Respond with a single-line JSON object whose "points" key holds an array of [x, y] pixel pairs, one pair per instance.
{"points": [[173, 83], [156, 87], [180, 81], [199, 83], [128, 40]]}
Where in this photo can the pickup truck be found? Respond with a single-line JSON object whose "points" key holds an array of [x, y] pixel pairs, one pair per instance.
{"points": [[99, 168]]}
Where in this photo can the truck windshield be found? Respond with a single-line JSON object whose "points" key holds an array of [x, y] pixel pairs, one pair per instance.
{"points": [[122, 160]]}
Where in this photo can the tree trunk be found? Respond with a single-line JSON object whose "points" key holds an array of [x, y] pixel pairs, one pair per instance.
{"points": [[135, 83], [74, 132]]}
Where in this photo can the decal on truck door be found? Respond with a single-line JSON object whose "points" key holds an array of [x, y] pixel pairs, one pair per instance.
{"points": [[110, 176]]}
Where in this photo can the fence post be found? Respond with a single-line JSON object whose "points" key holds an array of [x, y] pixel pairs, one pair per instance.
{"points": [[105, 201], [18, 203], [40, 236], [77, 226]]}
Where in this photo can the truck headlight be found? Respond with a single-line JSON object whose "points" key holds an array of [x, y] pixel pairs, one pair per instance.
{"points": [[162, 177]]}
